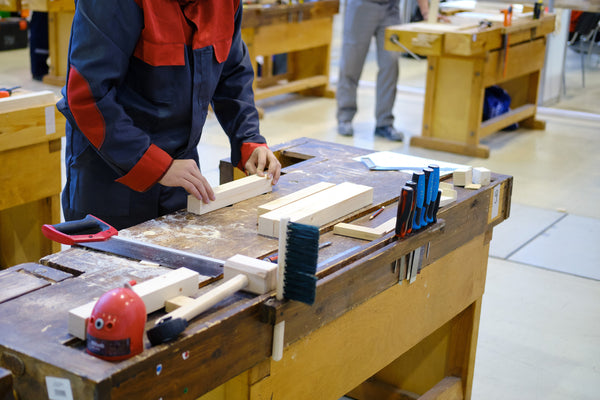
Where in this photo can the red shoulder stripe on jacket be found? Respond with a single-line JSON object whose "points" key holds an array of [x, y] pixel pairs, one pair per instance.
{"points": [[83, 107]]}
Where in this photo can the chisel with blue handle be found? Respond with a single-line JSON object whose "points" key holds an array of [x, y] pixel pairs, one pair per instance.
{"points": [[434, 192], [419, 177]]}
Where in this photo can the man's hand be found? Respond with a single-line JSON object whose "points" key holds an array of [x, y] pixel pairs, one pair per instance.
{"points": [[260, 158], [185, 173]]}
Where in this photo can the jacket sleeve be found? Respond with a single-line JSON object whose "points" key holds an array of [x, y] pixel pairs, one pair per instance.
{"points": [[233, 100], [103, 38]]}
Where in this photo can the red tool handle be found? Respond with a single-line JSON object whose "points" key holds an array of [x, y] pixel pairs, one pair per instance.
{"points": [[406, 207], [88, 229]]}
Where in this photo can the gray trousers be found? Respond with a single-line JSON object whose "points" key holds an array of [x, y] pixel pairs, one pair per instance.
{"points": [[363, 20]]}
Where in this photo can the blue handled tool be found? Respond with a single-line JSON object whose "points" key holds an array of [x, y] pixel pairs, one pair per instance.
{"points": [[434, 192], [419, 177], [428, 198]]}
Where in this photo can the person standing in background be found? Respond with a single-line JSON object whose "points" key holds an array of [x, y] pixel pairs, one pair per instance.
{"points": [[363, 20], [38, 44]]}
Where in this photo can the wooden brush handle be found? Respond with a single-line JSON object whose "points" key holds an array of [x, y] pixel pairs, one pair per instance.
{"points": [[283, 223], [209, 299]]}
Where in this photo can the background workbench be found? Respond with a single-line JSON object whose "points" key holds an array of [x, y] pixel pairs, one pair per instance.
{"points": [[462, 61], [367, 332], [30, 142]]}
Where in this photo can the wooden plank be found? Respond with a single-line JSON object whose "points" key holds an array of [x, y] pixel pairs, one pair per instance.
{"points": [[495, 124], [45, 272], [30, 125], [292, 37], [20, 101], [373, 388], [292, 86], [16, 282], [154, 293], [449, 388], [356, 231], [231, 193], [319, 209], [364, 232], [480, 150], [295, 196], [23, 181], [523, 59]]}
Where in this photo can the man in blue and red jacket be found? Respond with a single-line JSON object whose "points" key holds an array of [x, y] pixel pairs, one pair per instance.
{"points": [[141, 76]]}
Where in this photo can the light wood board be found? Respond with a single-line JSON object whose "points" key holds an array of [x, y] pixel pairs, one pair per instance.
{"points": [[230, 193], [154, 293], [320, 208], [364, 232], [292, 197]]}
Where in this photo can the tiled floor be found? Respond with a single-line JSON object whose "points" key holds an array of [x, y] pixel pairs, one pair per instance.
{"points": [[540, 332]]}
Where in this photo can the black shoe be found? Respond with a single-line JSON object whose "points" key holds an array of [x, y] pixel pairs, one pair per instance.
{"points": [[345, 128], [389, 132]]}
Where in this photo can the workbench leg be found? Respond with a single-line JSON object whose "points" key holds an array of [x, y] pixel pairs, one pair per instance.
{"points": [[453, 107], [532, 98]]}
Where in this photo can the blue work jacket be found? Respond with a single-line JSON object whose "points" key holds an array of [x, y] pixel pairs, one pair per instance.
{"points": [[141, 76]]}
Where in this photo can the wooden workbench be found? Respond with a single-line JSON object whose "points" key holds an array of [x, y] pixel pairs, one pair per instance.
{"points": [[366, 333], [31, 129], [303, 32], [462, 61]]}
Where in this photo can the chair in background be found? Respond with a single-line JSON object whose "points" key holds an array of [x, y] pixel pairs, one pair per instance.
{"points": [[584, 40]]}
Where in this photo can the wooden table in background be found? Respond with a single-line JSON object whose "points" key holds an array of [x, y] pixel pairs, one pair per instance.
{"points": [[30, 175], [302, 31], [368, 334], [461, 64]]}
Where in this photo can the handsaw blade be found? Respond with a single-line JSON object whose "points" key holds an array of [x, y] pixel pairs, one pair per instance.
{"points": [[164, 256]]}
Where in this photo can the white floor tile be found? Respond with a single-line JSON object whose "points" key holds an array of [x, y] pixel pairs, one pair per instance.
{"points": [[524, 224], [539, 336], [571, 245]]}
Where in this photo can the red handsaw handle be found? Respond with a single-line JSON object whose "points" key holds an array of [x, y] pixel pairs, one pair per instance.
{"points": [[88, 229]]}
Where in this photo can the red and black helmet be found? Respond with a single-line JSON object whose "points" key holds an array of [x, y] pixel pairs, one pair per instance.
{"points": [[115, 330]]}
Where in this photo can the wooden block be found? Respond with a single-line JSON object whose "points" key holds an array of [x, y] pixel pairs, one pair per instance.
{"points": [[473, 186], [319, 209], [363, 232], [231, 193], [356, 231], [16, 283], [176, 302], [292, 197], [482, 176], [462, 177], [449, 195], [262, 275], [154, 292]]}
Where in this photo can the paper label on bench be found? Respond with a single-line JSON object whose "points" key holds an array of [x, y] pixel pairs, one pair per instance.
{"points": [[495, 203], [59, 388], [50, 121]]}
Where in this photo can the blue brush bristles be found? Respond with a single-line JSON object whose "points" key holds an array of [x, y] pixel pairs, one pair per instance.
{"points": [[301, 255]]}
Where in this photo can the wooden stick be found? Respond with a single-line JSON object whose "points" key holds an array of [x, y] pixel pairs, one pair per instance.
{"points": [[231, 193]]}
